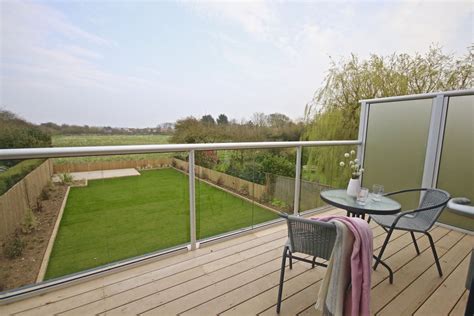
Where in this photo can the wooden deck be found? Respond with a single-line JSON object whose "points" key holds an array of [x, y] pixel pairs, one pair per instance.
{"points": [[240, 277]]}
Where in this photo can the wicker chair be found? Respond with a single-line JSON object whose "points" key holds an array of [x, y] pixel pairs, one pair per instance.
{"points": [[309, 237], [419, 220]]}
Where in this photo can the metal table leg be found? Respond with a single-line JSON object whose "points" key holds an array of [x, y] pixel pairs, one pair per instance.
{"points": [[390, 272]]}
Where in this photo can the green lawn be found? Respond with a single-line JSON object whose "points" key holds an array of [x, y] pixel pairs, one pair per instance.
{"points": [[114, 219]]}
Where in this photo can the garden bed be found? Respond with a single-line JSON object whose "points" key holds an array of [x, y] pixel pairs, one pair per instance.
{"points": [[23, 270]]}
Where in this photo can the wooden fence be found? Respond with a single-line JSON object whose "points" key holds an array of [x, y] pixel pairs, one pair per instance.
{"points": [[109, 165], [253, 190], [22, 196], [283, 189]]}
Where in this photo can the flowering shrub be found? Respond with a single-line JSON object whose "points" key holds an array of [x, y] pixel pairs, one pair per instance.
{"points": [[353, 164]]}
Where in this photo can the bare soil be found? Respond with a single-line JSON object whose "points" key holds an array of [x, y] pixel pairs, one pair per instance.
{"points": [[23, 270]]}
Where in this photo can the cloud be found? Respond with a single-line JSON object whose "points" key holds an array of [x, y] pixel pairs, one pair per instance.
{"points": [[255, 17], [40, 44]]}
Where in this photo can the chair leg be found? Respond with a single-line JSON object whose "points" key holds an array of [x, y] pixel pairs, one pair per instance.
{"points": [[414, 242], [290, 256], [368, 221], [282, 277], [385, 243], [314, 261], [438, 265]]}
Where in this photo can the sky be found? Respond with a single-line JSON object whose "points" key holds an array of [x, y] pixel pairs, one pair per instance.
{"points": [[141, 63]]}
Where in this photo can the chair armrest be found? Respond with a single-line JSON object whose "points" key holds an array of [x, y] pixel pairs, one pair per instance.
{"points": [[406, 191], [418, 210]]}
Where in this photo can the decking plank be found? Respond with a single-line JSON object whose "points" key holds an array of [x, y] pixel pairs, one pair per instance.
{"points": [[410, 298], [199, 275], [378, 241], [88, 288], [447, 294], [267, 299], [396, 256], [230, 299], [460, 306], [92, 296], [384, 292], [210, 292]]}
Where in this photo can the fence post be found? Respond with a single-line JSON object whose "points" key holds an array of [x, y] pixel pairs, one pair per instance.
{"points": [[296, 202], [363, 122], [192, 200]]}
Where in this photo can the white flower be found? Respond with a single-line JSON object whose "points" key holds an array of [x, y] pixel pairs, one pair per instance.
{"points": [[353, 152], [356, 160], [346, 155], [342, 164], [351, 162], [361, 170]]}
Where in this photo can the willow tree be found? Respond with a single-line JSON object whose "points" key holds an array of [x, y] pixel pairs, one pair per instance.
{"points": [[333, 114]]}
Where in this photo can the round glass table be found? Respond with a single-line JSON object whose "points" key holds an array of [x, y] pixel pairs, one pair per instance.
{"points": [[381, 206]]}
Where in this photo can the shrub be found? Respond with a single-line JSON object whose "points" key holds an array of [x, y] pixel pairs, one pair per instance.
{"points": [[279, 204], [66, 178], [45, 194], [265, 197], [50, 185], [39, 206], [13, 247], [244, 189], [29, 222]]}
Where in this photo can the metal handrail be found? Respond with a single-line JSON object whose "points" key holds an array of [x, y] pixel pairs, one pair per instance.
{"points": [[420, 96], [56, 152]]}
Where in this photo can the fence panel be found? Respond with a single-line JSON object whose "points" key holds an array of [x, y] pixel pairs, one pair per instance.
{"points": [[23, 195], [254, 190]]}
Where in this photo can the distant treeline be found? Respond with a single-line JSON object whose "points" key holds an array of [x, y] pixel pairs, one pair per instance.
{"points": [[16, 132], [65, 129], [261, 127]]}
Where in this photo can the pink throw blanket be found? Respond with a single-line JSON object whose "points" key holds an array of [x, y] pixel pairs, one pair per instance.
{"points": [[357, 300]]}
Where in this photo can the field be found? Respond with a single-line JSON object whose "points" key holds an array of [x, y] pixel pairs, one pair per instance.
{"points": [[105, 140], [115, 219], [108, 140]]}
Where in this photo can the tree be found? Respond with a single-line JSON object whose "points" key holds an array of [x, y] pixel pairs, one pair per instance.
{"points": [[278, 120], [259, 119], [222, 119], [333, 113], [190, 130], [208, 119], [15, 132]]}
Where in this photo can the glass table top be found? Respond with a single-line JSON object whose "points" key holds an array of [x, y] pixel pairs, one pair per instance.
{"points": [[339, 198]]}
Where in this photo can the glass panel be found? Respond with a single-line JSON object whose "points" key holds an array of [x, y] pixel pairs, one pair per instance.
{"points": [[456, 173], [113, 210], [233, 191], [321, 170], [397, 135], [119, 213]]}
